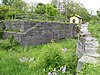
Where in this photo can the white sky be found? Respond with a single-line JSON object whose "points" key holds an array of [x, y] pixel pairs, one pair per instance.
{"points": [[91, 4], [41, 1]]}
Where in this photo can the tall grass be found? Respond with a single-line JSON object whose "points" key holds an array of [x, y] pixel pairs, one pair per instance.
{"points": [[95, 30], [46, 57]]}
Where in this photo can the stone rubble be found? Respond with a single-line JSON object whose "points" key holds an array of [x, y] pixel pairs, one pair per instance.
{"points": [[87, 47]]}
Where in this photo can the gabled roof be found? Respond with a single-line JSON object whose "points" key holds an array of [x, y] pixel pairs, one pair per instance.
{"points": [[76, 16]]}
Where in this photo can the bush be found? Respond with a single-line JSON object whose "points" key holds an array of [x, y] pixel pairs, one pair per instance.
{"points": [[8, 43], [51, 56], [3, 11]]}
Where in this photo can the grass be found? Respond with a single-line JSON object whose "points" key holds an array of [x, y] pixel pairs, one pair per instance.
{"points": [[95, 30], [12, 30], [37, 21], [46, 56], [91, 69]]}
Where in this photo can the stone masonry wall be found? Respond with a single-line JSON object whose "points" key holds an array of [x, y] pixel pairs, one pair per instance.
{"points": [[20, 25], [42, 32], [87, 47]]}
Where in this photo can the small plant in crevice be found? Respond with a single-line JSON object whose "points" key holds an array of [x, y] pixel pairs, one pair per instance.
{"points": [[9, 43]]}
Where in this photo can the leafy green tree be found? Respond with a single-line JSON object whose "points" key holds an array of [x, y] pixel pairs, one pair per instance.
{"points": [[19, 6], [10, 14], [7, 2], [3, 11], [82, 11], [98, 12], [40, 8], [10, 8], [74, 7], [50, 10]]}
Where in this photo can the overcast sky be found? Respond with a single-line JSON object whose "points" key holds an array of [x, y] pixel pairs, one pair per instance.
{"points": [[91, 4]]}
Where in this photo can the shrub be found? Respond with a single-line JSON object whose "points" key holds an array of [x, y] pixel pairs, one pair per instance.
{"points": [[51, 56], [8, 43]]}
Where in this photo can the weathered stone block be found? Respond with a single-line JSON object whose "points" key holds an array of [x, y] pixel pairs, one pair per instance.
{"points": [[87, 47]]}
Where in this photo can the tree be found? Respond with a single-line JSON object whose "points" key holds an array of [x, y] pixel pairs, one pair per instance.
{"points": [[32, 7], [7, 2], [98, 12], [73, 7], [4, 10], [16, 5], [50, 10], [19, 6], [55, 3], [65, 8], [12, 7], [40, 8], [79, 9]]}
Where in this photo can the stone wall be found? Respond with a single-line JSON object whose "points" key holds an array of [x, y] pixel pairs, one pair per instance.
{"points": [[40, 33], [20, 25], [87, 47]]}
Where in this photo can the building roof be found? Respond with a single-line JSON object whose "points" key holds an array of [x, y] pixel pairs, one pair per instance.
{"points": [[76, 16]]}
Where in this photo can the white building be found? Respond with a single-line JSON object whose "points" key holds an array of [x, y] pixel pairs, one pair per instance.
{"points": [[75, 19]]}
